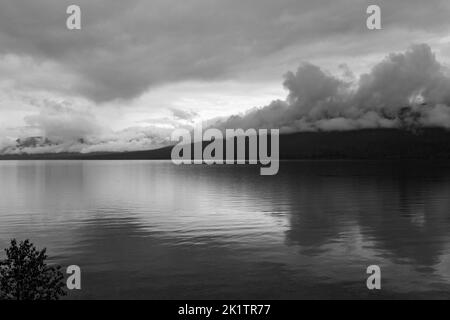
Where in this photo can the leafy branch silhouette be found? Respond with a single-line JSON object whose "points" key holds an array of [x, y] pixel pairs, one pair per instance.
{"points": [[25, 275]]}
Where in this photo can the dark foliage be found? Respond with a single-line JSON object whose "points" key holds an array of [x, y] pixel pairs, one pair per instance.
{"points": [[24, 274]]}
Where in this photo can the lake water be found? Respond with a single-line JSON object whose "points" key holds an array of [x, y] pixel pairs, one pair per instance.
{"points": [[150, 229]]}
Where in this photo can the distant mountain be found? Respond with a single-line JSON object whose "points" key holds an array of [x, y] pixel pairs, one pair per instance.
{"points": [[32, 142], [367, 144], [431, 143]]}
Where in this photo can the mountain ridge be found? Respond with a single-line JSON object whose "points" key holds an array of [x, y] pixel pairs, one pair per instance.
{"points": [[425, 143]]}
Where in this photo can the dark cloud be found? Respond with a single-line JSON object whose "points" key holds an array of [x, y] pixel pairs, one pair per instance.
{"points": [[405, 89], [125, 47]]}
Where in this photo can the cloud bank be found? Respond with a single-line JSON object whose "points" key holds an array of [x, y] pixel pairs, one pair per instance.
{"points": [[410, 89], [60, 126]]}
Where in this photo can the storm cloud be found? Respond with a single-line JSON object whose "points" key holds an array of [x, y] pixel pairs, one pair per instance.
{"points": [[407, 90], [404, 90], [139, 69], [128, 47]]}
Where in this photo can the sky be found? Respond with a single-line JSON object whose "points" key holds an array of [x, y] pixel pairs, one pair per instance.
{"points": [[139, 69]]}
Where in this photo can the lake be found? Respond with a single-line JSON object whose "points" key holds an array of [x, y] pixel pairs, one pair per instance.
{"points": [[153, 230]]}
